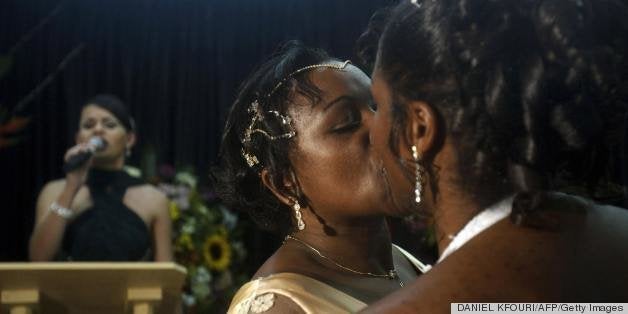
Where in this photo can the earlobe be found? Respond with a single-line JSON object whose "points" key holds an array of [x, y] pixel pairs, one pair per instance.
{"points": [[285, 195], [422, 126], [279, 192]]}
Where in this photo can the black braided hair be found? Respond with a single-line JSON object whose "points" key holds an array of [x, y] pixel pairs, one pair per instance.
{"points": [[537, 83], [239, 185]]}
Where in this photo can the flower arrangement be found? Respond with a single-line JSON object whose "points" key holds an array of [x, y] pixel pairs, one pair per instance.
{"points": [[207, 240]]}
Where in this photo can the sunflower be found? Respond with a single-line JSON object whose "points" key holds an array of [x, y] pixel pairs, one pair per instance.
{"points": [[217, 252]]}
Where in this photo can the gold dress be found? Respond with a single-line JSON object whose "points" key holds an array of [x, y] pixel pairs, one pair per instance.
{"points": [[311, 295]]}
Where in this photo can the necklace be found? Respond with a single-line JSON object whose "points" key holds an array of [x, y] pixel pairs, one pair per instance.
{"points": [[392, 273]]}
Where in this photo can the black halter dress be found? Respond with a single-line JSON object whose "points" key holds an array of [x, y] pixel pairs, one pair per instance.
{"points": [[109, 230]]}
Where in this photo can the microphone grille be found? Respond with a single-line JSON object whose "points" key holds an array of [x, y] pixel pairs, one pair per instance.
{"points": [[98, 143]]}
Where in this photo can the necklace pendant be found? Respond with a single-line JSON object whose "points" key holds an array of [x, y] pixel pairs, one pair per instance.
{"points": [[392, 274]]}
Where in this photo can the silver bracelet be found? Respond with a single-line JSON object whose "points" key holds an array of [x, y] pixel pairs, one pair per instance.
{"points": [[64, 212]]}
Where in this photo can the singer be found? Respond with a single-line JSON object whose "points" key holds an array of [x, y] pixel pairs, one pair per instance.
{"points": [[98, 212]]}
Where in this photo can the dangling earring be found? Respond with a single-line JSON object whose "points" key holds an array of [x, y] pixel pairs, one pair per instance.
{"points": [[418, 175], [127, 152], [297, 215]]}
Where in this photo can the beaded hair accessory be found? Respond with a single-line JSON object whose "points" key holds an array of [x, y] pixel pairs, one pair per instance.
{"points": [[257, 115], [306, 68]]}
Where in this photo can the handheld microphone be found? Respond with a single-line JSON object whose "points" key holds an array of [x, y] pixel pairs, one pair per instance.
{"points": [[95, 144]]}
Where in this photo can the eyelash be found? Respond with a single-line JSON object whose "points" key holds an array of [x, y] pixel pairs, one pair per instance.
{"points": [[373, 105], [354, 122]]}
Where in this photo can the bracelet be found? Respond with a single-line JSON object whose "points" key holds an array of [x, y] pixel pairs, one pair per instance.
{"points": [[64, 212]]}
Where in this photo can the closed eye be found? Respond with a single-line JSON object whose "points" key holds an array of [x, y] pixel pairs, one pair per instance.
{"points": [[373, 105], [87, 125], [111, 125], [352, 122], [347, 127]]}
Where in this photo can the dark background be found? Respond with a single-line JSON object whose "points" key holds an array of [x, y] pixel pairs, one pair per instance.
{"points": [[176, 63]]}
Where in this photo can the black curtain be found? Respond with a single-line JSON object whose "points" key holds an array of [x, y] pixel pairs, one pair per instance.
{"points": [[176, 63]]}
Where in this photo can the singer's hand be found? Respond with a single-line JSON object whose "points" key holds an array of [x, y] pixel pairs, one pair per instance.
{"points": [[78, 176]]}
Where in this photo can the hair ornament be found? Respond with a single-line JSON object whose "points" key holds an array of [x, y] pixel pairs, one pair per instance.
{"points": [[258, 115]]}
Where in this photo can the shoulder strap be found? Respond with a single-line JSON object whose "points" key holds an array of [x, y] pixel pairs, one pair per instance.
{"points": [[423, 268]]}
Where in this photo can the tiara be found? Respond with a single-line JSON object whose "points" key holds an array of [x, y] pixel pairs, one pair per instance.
{"points": [[257, 115], [306, 68]]}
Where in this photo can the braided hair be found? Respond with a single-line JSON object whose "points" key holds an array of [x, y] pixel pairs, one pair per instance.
{"points": [[537, 83]]}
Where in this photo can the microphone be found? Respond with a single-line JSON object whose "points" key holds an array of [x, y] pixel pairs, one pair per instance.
{"points": [[95, 144]]}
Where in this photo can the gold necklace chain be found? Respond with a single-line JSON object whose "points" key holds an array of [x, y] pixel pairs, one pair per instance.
{"points": [[392, 273]]}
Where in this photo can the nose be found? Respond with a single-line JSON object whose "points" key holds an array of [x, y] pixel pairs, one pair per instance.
{"points": [[368, 116], [368, 126], [98, 129]]}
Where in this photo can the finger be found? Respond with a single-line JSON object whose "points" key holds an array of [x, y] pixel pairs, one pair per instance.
{"points": [[71, 152], [75, 150]]}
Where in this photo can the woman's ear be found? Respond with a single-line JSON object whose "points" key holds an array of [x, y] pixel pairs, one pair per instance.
{"points": [[281, 192], [130, 139], [422, 126]]}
